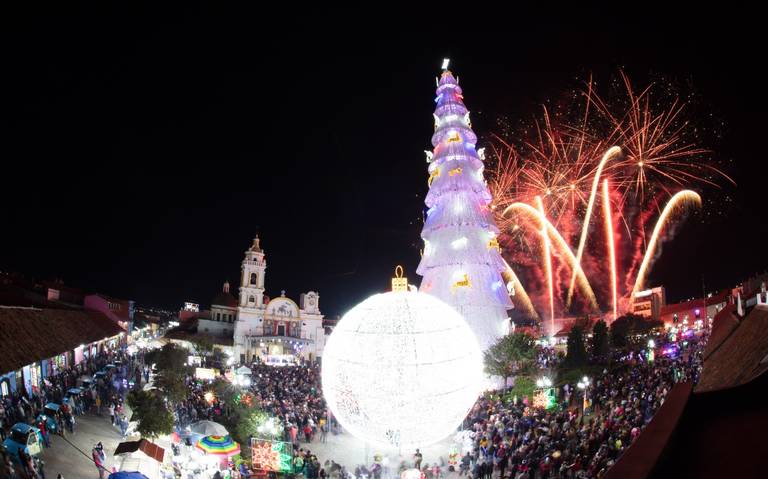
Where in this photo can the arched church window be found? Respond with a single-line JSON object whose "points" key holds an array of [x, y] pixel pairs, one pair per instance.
{"points": [[253, 278]]}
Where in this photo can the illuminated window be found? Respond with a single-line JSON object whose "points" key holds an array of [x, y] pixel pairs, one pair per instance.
{"points": [[4, 389]]}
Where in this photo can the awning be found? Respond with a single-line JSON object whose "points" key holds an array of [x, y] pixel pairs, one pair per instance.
{"points": [[150, 449]]}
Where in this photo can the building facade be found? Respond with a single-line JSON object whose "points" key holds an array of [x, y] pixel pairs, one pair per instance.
{"points": [[38, 343], [649, 303], [277, 330]]}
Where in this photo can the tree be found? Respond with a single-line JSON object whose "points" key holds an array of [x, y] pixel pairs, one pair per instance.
{"points": [[523, 388], [577, 354], [600, 340], [619, 331], [203, 346], [625, 329], [150, 410], [510, 355], [257, 423], [172, 385], [462, 263], [169, 358]]}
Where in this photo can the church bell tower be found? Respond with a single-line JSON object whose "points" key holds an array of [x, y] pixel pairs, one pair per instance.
{"points": [[252, 277]]}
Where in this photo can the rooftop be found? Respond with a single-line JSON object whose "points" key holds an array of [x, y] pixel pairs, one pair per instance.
{"points": [[28, 335]]}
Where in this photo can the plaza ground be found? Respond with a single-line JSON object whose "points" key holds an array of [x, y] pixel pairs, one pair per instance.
{"points": [[352, 452]]}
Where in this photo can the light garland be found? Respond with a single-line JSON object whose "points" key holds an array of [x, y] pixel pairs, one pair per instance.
{"points": [[401, 369]]}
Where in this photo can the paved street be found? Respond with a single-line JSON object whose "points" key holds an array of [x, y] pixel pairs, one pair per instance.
{"points": [[71, 456]]}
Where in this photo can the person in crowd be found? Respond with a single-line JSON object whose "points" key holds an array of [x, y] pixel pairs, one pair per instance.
{"points": [[99, 459]]}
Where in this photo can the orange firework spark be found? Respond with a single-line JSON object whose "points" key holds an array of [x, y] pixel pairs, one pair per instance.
{"points": [[680, 199], [547, 263], [611, 245], [658, 154], [609, 155], [562, 246]]}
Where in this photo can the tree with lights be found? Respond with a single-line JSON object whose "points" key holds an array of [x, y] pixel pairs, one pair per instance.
{"points": [[461, 263], [514, 354]]}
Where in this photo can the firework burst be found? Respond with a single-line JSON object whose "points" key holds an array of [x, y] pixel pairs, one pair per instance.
{"points": [[640, 148]]}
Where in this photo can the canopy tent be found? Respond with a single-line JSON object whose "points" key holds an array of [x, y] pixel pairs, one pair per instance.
{"points": [[244, 371], [208, 428], [141, 457]]}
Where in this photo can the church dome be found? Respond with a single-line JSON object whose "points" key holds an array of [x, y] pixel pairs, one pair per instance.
{"points": [[225, 298]]}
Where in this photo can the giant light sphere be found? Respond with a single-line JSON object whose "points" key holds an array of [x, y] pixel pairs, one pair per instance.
{"points": [[402, 369]]}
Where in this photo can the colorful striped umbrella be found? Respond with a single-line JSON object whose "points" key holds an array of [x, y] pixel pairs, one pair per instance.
{"points": [[219, 445]]}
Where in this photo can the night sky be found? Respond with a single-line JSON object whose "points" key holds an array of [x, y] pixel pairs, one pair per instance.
{"points": [[143, 150]]}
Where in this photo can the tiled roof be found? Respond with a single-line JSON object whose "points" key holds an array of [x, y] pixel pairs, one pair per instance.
{"points": [[741, 357], [186, 332], [723, 325], [28, 335]]}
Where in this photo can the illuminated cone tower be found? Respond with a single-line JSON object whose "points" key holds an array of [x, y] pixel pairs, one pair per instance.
{"points": [[461, 262]]}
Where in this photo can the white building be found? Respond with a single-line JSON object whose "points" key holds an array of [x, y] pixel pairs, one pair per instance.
{"points": [[222, 317], [277, 330]]}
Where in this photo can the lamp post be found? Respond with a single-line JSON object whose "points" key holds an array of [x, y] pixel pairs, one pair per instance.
{"points": [[584, 385]]}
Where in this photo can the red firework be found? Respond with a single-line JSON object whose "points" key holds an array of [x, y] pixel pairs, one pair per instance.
{"points": [[561, 158]]}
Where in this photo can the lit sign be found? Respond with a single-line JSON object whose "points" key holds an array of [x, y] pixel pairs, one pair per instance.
{"points": [[544, 399], [272, 456]]}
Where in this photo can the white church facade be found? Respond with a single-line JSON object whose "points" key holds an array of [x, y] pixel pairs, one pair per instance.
{"points": [[276, 330]]}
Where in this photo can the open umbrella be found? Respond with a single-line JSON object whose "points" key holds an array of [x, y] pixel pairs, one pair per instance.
{"points": [[208, 428], [127, 475], [218, 445]]}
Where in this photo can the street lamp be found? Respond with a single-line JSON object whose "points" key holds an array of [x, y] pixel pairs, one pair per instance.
{"points": [[584, 385]]}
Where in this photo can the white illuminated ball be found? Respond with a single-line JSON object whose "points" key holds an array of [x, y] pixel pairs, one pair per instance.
{"points": [[402, 369]]}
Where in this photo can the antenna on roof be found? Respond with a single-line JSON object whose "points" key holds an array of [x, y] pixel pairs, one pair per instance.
{"points": [[445, 63]]}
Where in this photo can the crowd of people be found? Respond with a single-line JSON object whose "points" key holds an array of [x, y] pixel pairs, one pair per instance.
{"points": [[582, 437], [518, 441], [102, 396], [291, 394]]}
